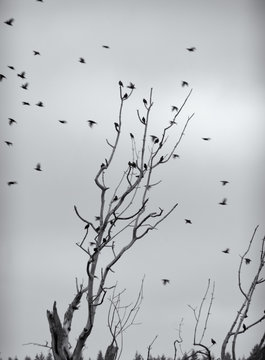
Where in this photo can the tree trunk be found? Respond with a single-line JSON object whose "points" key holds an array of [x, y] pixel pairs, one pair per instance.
{"points": [[111, 352]]}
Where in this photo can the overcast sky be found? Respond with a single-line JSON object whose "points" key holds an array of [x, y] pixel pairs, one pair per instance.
{"points": [[148, 41]]}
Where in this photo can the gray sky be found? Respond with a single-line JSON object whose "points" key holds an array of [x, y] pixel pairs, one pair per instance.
{"points": [[148, 41]]}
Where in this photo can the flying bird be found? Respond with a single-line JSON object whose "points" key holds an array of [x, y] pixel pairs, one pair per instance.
{"points": [[206, 138], [10, 22], [175, 156], [165, 281], [22, 75], [247, 261], [213, 341], [224, 182], [131, 86], [63, 121], [2, 77], [91, 123], [188, 221], [223, 202], [184, 83], [11, 183], [25, 86], [174, 108], [9, 143], [25, 103], [82, 60], [11, 121], [226, 251], [40, 104], [11, 67], [35, 52], [38, 167], [193, 48], [105, 46]]}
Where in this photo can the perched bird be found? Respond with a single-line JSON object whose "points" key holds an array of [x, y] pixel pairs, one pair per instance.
{"points": [[25, 86], [10, 22], [154, 139], [11, 183], [22, 75], [174, 108], [213, 341], [226, 251], [223, 202], [63, 121], [131, 86], [184, 83], [165, 281], [40, 104], [175, 156], [82, 60], [40, 0], [97, 218], [224, 182], [38, 167], [188, 221], [11, 121], [125, 96], [115, 198], [91, 123], [193, 48], [11, 67], [120, 83], [244, 327], [132, 136], [105, 46], [9, 143], [35, 52], [117, 126], [145, 101], [206, 138], [2, 77], [247, 261], [25, 103]]}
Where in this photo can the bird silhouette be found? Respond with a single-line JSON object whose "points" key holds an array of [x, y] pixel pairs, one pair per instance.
{"points": [[206, 138], [226, 251], [145, 101], [2, 77], [132, 136], [39, 0], [82, 60], [174, 108], [9, 143], [105, 46], [22, 75], [223, 202], [193, 48], [120, 83], [184, 83], [188, 221], [175, 156], [11, 67], [154, 139], [213, 341], [35, 52], [25, 103], [165, 281], [40, 104], [91, 123], [10, 22], [131, 86], [63, 121], [25, 86], [38, 167], [11, 121], [224, 182], [117, 127], [11, 183], [244, 327], [247, 261]]}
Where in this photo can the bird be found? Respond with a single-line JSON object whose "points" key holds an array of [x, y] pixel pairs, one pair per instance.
{"points": [[174, 108], [131, 86], [11, 121], [224, 182], [63, 121], [247, 261], [117, 127], [40, 104], [193, 48], [175, 156], [11, 183], [154, 139], [206, 138], [120, 83], [25, 86], [9, 143], [35, 52], [244, 327], [22, 75], [125, 96], [2, 77], [184, 83], [213, 341], [145, 101], [38, 167], [223, 202], [226, 251], [10, 22], [11, 67], [25, 103], [91, 123], [188, 221], [39, 0], [131, 136], [105, 46], [165, 281], [115, 198], [82, 60]]}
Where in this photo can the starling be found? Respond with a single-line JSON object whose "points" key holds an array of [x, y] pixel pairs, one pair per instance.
{"points": [[2, 77], [188, 221], [226, 251], [117, 127], [11, 121], [105, 46], [36, 52], [132, 136], [184, 83], [82, 60], [125, 96], [131, 86], [223, 202], [25, 86], [224, 182], [120, 83], [40, 104], [38, 167], [193, 48], [206, 138], [213, 341], [11, 183], [22, 75], [10, 22], [165, 281], [9, 143], [63, 121], [247, 261], [25, 103], [154, 139], [91, 123], [145, 101], [244, 327]]}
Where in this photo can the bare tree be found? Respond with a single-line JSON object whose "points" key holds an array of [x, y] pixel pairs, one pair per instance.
{"points": [[123, 209]]}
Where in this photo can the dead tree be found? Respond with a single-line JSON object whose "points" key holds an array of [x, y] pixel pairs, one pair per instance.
{"points": [[123, 209], [238, 326]]}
